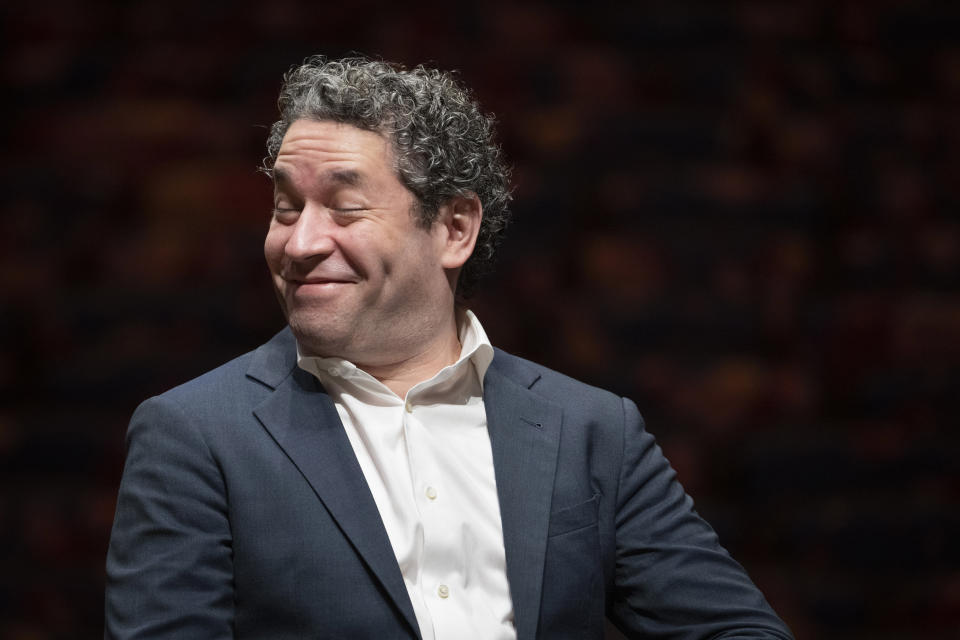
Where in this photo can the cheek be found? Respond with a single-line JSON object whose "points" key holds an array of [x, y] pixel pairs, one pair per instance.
{"points": [[273, 248], [367, 252]]}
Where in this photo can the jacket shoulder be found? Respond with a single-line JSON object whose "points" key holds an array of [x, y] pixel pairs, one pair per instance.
{"points": [[550, 384], [239, 382]]}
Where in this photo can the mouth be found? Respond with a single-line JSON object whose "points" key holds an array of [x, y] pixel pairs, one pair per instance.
{"points": [[316, 286], [313, 281]]}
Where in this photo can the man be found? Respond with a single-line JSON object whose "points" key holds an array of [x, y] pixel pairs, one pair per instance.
{"points": [[378, 470]]}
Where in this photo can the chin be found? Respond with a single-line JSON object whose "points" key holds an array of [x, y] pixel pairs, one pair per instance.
{"points": [[315, 338]]}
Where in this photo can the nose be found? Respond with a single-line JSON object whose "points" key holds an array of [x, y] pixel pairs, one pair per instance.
{"points": [[313, 234]]}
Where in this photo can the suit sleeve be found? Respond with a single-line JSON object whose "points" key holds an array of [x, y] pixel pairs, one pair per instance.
{"points": [[169, 569], [672, 577]]}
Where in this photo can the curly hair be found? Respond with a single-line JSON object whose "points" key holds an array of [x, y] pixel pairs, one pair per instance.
{"points": [[443, 144]]}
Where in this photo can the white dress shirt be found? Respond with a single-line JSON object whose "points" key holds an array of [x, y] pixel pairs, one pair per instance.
{"points": [[429, 466]]}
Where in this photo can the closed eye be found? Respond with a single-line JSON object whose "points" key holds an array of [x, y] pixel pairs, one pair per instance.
{"points": [[285, 215], [347, 215]]}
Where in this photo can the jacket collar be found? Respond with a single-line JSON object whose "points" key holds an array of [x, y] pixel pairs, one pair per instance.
{"points": [[273, 361]]}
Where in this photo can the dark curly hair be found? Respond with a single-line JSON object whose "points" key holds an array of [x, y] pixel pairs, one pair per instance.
{"points": [[443, 143]]}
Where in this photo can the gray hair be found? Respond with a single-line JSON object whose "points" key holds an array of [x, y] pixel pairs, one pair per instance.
{"points": [[443, 143]]}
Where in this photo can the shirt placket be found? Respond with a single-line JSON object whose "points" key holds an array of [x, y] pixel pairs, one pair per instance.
{"points": [[442, 562]]}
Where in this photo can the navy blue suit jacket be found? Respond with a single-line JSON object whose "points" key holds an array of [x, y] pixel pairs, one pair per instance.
{"points": [[243, 513]]}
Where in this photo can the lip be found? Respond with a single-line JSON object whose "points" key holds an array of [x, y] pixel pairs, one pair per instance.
{"points": [[312, 281], [316, 286]]}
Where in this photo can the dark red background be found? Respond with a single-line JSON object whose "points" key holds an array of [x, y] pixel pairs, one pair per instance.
{"points": [[742, 215]]}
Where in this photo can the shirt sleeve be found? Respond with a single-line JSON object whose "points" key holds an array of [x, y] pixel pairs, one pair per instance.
{"points": [[169, 569], [672, 577]]}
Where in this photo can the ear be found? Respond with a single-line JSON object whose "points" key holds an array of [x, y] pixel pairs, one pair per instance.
{"points": [[458, 223]]}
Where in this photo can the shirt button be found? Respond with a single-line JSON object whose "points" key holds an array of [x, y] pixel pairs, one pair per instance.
{"points": [[431, 493], [443, 591], [408, 407]]}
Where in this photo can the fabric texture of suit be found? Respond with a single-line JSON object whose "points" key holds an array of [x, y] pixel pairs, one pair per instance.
{"points": [[243, 513]]}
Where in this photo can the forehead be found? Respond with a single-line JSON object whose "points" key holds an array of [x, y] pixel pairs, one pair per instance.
{"points": [[310, 145]]}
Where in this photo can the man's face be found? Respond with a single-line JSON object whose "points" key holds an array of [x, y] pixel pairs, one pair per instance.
{"points": [[356, 276]]}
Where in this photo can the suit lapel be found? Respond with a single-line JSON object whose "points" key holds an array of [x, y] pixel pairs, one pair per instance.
{"points": [[303, 420], [524, 435]]}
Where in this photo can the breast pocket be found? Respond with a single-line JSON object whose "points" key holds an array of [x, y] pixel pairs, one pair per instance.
{"points": [[575, 517]]}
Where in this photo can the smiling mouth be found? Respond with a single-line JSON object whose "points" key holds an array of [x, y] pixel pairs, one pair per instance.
{"points": [[317, 281], [316, 286]]}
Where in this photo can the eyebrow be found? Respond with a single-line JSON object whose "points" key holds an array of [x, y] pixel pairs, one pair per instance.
{"points": [[343, 177]]}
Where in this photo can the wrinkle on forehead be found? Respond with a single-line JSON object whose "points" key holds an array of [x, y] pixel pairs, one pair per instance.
{"points": [[345, 177], [333, 137], [333, 142]]}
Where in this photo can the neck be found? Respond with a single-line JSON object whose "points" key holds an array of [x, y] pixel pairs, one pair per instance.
{"points": [[400, 376]]}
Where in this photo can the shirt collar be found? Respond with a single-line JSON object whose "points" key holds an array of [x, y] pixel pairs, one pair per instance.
{"points": [[475, 347]]}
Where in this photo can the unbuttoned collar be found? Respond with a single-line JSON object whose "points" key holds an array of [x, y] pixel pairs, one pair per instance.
{"points": [[475, 348]]}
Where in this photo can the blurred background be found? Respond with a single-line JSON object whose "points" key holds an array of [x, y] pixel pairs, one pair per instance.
{"points": [[742, 215]]}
